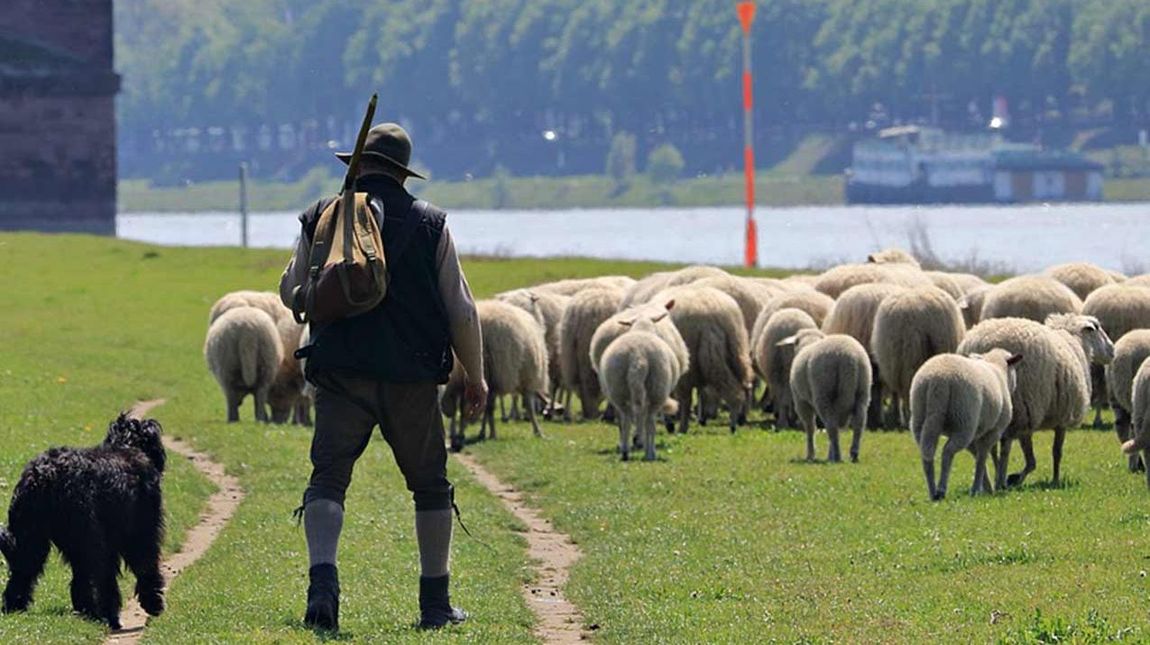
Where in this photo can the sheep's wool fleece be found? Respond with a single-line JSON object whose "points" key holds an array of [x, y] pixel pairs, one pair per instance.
{"points": [[834, 376], [243, 349], [514, 350], [1082, 278], [1030, 296], [854, 311], [1129, 353], [1120, 309], [911, 327], [959, 392], [1053, 389]]}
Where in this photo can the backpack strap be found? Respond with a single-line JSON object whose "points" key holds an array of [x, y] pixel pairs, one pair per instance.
{"points": [[410, 225], [318, 252]]}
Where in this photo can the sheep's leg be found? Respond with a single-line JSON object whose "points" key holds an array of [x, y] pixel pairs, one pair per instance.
{"points": [[529, 405], [1098, 424], [833, 454], [1056, 453], [1146, 460], [874, 412], [502, 410], [807, 418], [948, 452], [1001, 480], [1122, 428], [567, 405], [261, 401], [928, 473], [234, 400], [649, 437], [684, 411], [980, 478], [1026, 443], [859, 423], [624, 438]]}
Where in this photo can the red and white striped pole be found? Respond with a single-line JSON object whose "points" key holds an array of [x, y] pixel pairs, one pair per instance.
{"points": [[746, 16]]}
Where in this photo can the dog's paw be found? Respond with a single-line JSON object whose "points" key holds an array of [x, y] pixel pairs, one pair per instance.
{"points": [[153, 603]]}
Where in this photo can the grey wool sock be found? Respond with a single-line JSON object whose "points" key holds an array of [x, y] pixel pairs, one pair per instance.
{"points": [[433, 532], [322, 523]]}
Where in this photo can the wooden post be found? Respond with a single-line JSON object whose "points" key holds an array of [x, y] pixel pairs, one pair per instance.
{"points": [[244, 204]]}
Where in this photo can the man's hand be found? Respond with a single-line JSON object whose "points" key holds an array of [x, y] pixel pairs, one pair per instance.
{"points": [[475, 398]]}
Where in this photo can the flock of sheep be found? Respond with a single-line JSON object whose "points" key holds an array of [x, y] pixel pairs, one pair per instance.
{"points": [[877, 344]]}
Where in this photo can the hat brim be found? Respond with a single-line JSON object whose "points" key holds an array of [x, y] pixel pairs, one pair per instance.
{"points": [[345, 157]]}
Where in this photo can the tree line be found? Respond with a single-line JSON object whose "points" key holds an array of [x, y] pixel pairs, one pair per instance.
{"points": [[495, 72]]}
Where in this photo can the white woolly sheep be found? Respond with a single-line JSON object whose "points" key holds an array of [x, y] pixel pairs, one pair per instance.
{"points": [[514, 359], [1053, 383], [800, 281], [818, 306], [968, 281], [243, 351], [968, 400], [619, 323], [1081, 277], [1129, 352], [1138, 281], [265, 301], [638, 373], [1033, 297], [773, 363], [711, 325], [587, 310], [837, 280], [746, 295], [909, 328], [1120, 309], [547, 309], [573, 286], [646, 289], [1140, 441], [830, 378], [946, 282], [892, 256], [971, 304], [287, 397]]}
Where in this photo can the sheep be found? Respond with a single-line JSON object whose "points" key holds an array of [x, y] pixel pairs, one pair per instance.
{"points": [[547, 310], [1117, 276], [830, 378], [853, 315], [1120, 309], [968, 281], [1053, 384], [645, 290], [1138, 281], [800, 282], [514, 359], [1081, 277], [1140, 442], [287, 397], [748, 297], [1033, 297], [818, 306], [587, 310], [573, 286], [909, 328], [971, 304], [638, 372], [892, 256], [619, 323], [266, 301], [946, 282], [711, 325], [243, 351], [967, 399], [773, 364], [1129, 352], [837, 280]]}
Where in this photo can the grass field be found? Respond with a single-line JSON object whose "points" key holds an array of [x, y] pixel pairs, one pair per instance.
{"points": [[725, 539]]}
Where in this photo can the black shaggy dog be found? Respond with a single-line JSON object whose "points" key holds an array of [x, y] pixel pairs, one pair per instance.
{"points": [[96, 505]]}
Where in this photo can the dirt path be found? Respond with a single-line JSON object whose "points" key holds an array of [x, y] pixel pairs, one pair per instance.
{"points": [[220, 508], [553, 553]]}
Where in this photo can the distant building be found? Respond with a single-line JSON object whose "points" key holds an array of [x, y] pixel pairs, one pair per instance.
{"points": [[915, 165], [57, 116]]}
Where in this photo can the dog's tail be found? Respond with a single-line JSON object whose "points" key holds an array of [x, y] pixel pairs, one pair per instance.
{"points": [[7, 542]]}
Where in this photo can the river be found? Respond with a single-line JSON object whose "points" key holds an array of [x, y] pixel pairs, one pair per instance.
{"points": [[1002, 238]]}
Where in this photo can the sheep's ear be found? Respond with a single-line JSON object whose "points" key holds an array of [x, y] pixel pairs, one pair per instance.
{"points": [[1014, 359], [660, 317], [788, 341], [626, 323], [870, 257], [533, 296], [963, 303], [670, 305]]}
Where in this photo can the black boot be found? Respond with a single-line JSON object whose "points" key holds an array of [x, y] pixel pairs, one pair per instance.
{"points": [[323, 598], [435, 608]]}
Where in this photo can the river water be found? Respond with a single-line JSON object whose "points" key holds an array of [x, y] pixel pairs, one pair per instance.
{"points": [[1013, 238]]}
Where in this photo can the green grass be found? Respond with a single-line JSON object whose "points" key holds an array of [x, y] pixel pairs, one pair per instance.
{"points": [[725, 539], [733, 539]]}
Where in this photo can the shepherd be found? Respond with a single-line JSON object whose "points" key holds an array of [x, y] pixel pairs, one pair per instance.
{"points": [[382, 367]]}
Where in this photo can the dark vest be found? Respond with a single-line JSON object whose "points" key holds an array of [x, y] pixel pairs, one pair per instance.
{"points": [[406, 339]]}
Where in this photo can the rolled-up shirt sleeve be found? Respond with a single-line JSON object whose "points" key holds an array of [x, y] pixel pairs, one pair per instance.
{"points": [[295, 273], [462, 318]]}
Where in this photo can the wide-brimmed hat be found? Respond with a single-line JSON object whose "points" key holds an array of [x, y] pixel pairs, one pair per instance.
{"points": [[389, 142]]}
